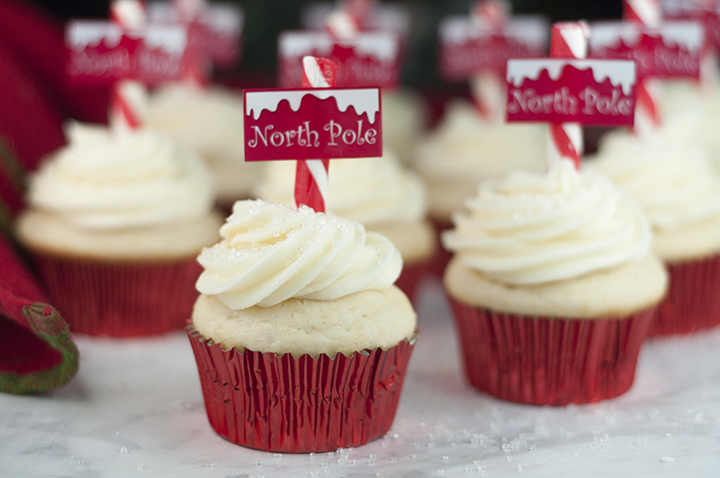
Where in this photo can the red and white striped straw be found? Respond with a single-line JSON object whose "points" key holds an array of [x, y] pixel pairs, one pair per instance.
{"points": [[128, 102], [341, 24], [647, 112], [565, 141], [311, 176], [487, 87]]}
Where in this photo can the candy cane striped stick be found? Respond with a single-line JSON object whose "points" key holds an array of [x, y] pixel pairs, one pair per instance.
{"points": [[647, 113], [565, 141], [341, 24], [311, 176], [128, 102], [487, 87]]}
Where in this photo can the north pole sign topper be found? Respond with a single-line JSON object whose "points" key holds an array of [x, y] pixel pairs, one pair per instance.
{"points": [[568, 91], [669, 50], [707, 12], [312, 125], [217, 27], [468, 46], [101, 53], [366, 58]]}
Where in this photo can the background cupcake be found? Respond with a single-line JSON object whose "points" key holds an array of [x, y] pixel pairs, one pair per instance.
{"points": [[114, 224], [553, 286], [304, 300], [680, 193], [404, 120], [210, 122], [380, 194]]}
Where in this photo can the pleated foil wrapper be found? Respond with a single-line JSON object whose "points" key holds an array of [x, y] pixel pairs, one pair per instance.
{"points": [[548, 361], [120, 299], [300, 405], [692, 303], [442, 256]]}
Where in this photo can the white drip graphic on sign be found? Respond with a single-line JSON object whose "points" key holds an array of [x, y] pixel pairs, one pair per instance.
{"points": [[383, 46], [528, 30], [170, 38], [609, 34], [620, 72], [364, 100]]}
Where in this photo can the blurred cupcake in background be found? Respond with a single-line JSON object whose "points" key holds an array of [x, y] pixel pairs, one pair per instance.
{"points": [[114, 223], [404, 120], [679, 190], [210, 121]]}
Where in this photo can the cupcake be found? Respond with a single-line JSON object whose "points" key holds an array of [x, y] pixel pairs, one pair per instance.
{"points": [[694, 110], [467, 149], [300, 337], [680, 193], [210, 122], [114, 223], [553, 285], [378, 193], [404, 118]]}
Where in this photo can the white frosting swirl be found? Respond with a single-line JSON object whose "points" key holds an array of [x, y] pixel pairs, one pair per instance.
{"points": [[676, 185], [370, 191], [210, 122], [531, 229], [111, 180], [468, 147], [270, 253]]}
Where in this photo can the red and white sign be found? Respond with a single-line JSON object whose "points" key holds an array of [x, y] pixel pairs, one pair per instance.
{"points": [[707, 13], [672, 50], [592, 92], [468, 46], [219, 28], [387, 17], [312, 123], [368, 59], [102, 53]]}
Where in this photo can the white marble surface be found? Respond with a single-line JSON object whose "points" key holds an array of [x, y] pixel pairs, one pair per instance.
{"points": [[135, 409]]}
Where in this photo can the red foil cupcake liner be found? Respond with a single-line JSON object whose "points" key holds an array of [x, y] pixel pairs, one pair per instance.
{"points": [[544, 361], [442, 256], [120, 299], [411, 276], [283, 404], [693, 299]]}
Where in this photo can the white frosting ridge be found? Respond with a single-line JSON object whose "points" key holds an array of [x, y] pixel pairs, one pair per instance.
{"points": [[685, 34], [620, 72], [270, 253], [532, 229], [82, 34], [382, 45], [364, 100], [107, 180], [370, 191], [675, 183]]}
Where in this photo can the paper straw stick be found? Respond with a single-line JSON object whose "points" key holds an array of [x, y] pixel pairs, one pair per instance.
{"points": [[128, 103], [565, 141], [197, 70], [647, 112], [311, 176], [488, 87]]}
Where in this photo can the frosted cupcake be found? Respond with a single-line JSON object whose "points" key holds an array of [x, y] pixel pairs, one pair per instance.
{"points": [[467, 149], [553, 285], [300, 337], [114, 224], [680, 193], [211, 122], [378, 193], [404, 119]]}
